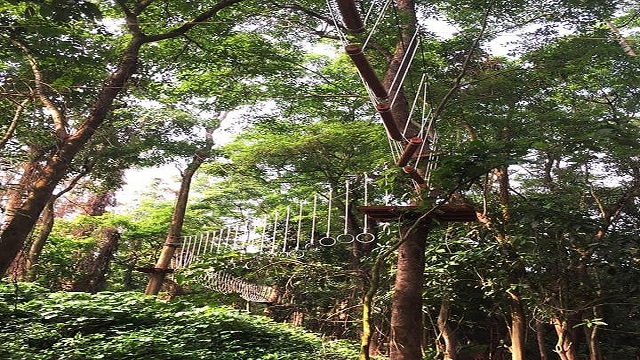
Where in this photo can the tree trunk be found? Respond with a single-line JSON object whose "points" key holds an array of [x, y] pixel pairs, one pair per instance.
{"points": [[540, 332], [23, 219], [158, 273], [450, 343], [406, 307], [96, 263], [518, 327], [591, 334], [37, 245], [624, 43], [565, 345]]}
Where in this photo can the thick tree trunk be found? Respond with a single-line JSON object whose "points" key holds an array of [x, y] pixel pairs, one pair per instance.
{"points": [[24, 217], [37, 245], [18, 227], [518, 327], [406, 307], [450, 343]]}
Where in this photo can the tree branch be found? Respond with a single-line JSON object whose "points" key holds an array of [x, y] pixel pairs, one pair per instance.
{"points": [[59, 120], [14, 123], [465, 65]]}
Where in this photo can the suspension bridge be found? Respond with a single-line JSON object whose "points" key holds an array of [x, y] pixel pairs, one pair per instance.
{"points": [[410, 125]]}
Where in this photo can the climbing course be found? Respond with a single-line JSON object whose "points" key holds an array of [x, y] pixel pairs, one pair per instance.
{"points": [[401, 100], [413, 139]]}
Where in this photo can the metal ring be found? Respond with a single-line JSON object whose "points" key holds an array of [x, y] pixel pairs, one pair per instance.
{"points": [[365, 237], [327, 241], [296, 254], [345, 238]]}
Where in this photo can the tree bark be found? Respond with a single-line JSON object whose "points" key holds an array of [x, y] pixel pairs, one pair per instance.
{"points": [[450, 343], [406, 307], [96, 263], [540, 332], [518, 327], [177, 218], [25, 217], [37, 245], [591, 334], [565, 345]]}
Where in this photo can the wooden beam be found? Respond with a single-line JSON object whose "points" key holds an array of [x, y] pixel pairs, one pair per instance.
{"points": [[366, 71], [389, 122], [410, 149]]}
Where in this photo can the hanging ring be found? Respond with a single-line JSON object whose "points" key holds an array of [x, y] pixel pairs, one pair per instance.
{"points": [[345, 238], [365, 237], [327, 241]]}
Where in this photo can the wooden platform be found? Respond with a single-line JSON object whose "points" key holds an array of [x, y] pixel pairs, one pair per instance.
{"points": [[446, 212]]}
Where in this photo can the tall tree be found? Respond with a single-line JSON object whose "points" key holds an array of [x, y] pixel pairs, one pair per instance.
{"points": [[145, 23]]}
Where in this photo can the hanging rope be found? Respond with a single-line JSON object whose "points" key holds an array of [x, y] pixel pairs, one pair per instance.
{"points": [[328, 240], [365, 236], [345, 237]]}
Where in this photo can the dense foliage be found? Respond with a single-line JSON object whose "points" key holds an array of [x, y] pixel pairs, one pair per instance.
{"points": [[542, 143], [41, 325]]}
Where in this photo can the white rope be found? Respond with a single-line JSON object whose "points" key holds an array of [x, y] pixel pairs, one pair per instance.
{"points": [[286, 229], [402, 66], [345, 237], [275, 229], [227, 284], [365, 236], [220, 240], [199, 251], [332, 13], [264, 231], [299, 227], [375, 25], [328, 240], [413, 108], [313, 219]]}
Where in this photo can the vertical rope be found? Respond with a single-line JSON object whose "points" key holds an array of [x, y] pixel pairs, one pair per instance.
{"points": [[286, 229], [264, 231], [313, 218], [275, 229], [299, 227]]}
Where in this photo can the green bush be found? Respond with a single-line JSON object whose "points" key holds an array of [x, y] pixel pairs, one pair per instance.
{"points": [[60, 325]]}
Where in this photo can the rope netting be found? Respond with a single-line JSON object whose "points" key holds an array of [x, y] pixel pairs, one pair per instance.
{"points": [[228, 284]]}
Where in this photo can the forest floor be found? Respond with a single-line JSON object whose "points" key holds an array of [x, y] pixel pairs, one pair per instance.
{"points": [[37, 324]]}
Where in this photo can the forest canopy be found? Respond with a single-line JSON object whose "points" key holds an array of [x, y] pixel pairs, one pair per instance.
{"points": [[443, 180]]}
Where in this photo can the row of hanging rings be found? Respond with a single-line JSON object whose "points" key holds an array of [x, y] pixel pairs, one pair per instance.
{"points": [[346, 238]]}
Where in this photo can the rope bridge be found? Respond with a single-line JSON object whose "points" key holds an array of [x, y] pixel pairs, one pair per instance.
{"points": [[227, 284], [413, 141]]}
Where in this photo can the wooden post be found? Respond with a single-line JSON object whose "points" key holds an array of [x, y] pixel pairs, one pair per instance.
{"points": [[415, 176], [389, 122], [409, 150], [156, 277], [366, 71]]}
